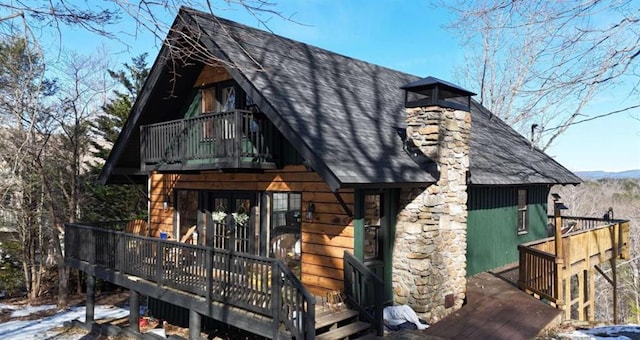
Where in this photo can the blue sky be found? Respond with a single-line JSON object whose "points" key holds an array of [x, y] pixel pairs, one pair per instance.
{"points": [[409, 36]]}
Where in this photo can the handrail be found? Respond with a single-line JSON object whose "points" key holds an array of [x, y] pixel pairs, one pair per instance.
{"points": [[191, 119], [226, 137], [255, 283], [364, 291], [293, 305], [539, 272], [608, 224], [572, 224]]}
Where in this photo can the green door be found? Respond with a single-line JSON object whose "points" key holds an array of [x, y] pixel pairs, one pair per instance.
{"points": [[375, 225]]}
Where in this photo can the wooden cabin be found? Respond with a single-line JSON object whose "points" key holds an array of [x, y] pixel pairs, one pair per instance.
{"points": [[337, 174]]}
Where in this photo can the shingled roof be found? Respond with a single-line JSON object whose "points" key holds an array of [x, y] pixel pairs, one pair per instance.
{"points": [[343, 115]]}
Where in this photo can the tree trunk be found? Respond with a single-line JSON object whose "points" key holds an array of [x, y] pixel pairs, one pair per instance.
{"points": [[63, 271], [63, 286]]}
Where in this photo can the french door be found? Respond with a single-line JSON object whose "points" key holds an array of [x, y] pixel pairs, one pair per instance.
{"points": [[231, 220]]}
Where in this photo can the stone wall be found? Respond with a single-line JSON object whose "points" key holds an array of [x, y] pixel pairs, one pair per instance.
{"points": [[429, 260]]}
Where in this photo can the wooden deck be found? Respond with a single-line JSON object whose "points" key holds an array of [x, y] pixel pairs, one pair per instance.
{"points": [[581, 244], [258, 294], [495, 309]]}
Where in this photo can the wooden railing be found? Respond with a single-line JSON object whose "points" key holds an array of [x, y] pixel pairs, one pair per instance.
{"points": [[572, 224], [540, 273], [297, 306], [585, 243], [364, 291], [258, 284], [226, 137]]}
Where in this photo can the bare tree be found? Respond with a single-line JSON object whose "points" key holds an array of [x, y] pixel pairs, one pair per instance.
{"points": [[544, 62], [154, 18], [45, 140], [81, 94], [22, 86]]}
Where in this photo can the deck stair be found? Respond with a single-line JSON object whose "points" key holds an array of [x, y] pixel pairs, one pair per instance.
{"points": [[344, 324]]}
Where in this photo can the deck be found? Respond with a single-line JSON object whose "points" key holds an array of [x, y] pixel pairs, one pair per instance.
{"points": [[255, 293], [578, 249], [495, 309]]}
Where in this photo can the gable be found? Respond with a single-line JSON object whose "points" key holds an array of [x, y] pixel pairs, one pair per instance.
{"points": [[344, 116]]}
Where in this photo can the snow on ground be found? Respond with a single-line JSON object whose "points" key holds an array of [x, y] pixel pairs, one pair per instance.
{"points": [[42, 328], [618, 332]]}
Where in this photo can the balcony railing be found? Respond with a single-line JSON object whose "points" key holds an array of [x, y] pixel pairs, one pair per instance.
{"points": [[257, 284], [585, 243], [235, 139]]}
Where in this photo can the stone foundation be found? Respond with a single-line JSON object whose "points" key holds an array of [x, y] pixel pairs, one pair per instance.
{"points": [[429, 260]]}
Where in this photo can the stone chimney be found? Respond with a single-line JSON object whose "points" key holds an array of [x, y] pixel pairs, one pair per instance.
{"points": [[429, 260]]}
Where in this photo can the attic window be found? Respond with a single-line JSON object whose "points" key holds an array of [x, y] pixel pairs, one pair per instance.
{"points": [[228, 100]]}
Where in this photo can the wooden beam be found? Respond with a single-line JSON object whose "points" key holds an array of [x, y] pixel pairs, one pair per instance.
{"points": [[195, 322], [91, 297], [558, 231], [604, 275], [615, 241], [567, 296], [344, 205], [581, 296], [134, 311], [592, 295]]}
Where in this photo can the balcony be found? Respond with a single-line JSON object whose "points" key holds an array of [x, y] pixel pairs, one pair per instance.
{"points": [[225, 140], [551, 267]]}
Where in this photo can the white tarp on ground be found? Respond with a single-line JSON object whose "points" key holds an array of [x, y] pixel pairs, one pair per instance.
{"points": [[397, 315]]}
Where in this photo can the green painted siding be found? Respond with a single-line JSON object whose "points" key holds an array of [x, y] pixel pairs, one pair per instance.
{"points": [[492, 238]]}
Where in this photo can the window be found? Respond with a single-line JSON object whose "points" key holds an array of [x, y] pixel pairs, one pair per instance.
{"points": [[287, 211], [228, 99], [372, 213], [286, 222], [523, 225]]}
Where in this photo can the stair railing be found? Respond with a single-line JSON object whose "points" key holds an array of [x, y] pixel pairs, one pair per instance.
{"points": [[292, 303], [364, 291]]}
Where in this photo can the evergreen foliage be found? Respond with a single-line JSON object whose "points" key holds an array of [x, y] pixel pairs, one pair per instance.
{"points": [[116, 202]]}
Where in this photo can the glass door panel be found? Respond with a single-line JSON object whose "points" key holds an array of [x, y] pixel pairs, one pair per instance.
{"points": [[230, 219], [219, 232]]}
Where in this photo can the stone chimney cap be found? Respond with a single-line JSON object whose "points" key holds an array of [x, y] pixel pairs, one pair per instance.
{"points": [[429, 82]]}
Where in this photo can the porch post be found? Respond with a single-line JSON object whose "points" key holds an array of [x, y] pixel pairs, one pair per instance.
{"points": [[557, 221], [195, 321], [91, 289], [134, 311]]}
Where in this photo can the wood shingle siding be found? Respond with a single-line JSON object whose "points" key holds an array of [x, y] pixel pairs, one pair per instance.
{"points": [[324, 239]]}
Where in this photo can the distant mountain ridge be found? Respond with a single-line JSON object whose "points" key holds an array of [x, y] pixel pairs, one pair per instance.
{"points": [[587, 175]]}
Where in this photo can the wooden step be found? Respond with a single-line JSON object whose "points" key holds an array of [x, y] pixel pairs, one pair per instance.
{"points": [[327, 319], [344, 331]]}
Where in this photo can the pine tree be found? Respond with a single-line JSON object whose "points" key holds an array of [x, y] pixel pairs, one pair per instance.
{"points": [[116, 202]]}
